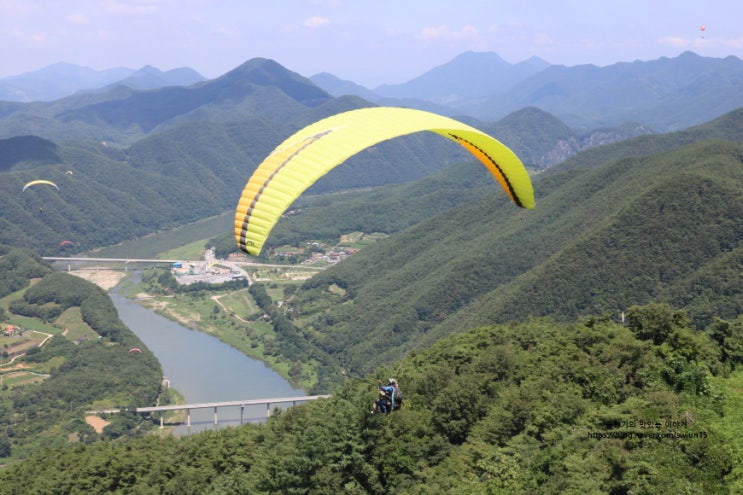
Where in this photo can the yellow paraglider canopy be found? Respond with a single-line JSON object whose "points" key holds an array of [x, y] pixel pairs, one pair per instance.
{"points": [[315, 150], [35, 182]]}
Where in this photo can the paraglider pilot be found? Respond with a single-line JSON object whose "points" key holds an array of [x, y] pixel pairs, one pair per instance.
{"points": [[388, 397]]}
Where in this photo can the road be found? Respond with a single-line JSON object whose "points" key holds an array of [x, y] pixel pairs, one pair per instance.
{"points": [[210, 269]]}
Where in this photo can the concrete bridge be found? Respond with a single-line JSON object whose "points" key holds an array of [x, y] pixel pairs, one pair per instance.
{"points": [[237, 403], [104, 260]]}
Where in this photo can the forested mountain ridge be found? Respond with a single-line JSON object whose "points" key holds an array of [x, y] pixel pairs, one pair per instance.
{"points": [[260, 86], [633, 230], [468, 76], [196, 169], [534, 407], [169, 178], [264, 89], [727, 127], [542, 141]]}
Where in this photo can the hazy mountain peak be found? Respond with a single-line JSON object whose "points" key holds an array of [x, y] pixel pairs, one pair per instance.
{"points": [[339, 87], [267, 72], [149, 77], [63, 79], [470, 75], [56, 81], [148, 69]]}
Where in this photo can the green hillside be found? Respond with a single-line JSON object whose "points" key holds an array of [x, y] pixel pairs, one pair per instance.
{"points": [[629, 231], [197, 170], [69, 351], [728, 127], [387, 209], [535, 407]]}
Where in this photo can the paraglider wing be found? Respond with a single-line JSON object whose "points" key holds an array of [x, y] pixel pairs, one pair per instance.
{"points": [[313, 151], [35, 182], [135, 350], [66, 243]]}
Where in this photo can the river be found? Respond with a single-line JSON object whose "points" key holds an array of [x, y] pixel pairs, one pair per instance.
{"points": [[203, 368]]}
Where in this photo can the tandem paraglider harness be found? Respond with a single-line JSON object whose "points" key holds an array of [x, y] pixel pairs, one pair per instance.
{"points": [[390, 397]]}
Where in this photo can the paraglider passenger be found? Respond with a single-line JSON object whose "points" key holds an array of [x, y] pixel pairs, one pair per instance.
{"points": [[382, 404], [389, 396]]}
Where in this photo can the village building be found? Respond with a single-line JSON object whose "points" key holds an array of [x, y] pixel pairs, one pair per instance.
{"points": [[11, 330]]}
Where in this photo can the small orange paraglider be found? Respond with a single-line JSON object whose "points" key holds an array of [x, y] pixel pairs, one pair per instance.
{"points": [[702, 29]]}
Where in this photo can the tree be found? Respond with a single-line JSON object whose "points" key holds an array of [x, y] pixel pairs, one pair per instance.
{"points": [[4, 445], [729, 336], [655, 321]]}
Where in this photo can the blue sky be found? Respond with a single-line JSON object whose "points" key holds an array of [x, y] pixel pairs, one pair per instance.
{"points": [[370, 42]]}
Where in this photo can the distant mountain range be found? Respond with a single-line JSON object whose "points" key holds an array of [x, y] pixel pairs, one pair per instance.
{"points": [[666, 94], [663, 95], [62, 79], [470, 76]]}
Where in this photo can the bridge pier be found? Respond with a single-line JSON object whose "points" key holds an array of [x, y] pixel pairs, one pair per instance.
{"points": [[242, 403]]}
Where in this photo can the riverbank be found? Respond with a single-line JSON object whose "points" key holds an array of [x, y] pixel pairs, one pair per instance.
{"points": [[202, 368], [223, 315], [105, 279], [229, 326]]}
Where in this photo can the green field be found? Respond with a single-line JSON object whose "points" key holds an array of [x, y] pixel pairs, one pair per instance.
{"points": [[171, 241], [74, 326], [20, 378]]}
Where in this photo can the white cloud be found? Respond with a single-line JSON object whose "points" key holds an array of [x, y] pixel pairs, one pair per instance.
{"points": [[102, 34], [316, 21], [12, 7], [675, 41], [733, 42], [131, 7], [78, 18], [226, 30], [444, 32], [25, 36]]}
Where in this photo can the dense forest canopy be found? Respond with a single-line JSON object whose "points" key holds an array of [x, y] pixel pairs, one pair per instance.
{"points": [[535, 407]]}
